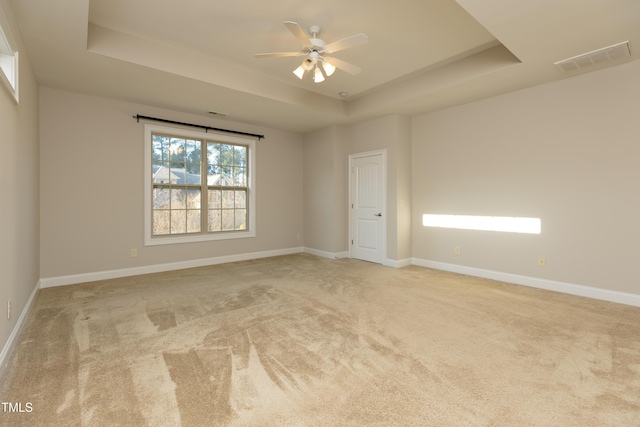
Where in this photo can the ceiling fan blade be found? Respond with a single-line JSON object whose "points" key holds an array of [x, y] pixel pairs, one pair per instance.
{"points": [[353, 41], [344, 66], [277, 54], [298, 33]]}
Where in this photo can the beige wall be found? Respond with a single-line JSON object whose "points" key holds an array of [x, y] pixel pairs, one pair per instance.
{"points": [[567, 152], [326, 189], [393, 133], [19, 212], [92, 188], [403, 189], [321, 178]]}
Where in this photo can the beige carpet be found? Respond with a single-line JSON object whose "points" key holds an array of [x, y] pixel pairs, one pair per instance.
{"points": [[305, 341]]}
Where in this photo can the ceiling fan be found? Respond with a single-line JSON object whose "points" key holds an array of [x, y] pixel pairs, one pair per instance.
{"points": [[316, 53]]}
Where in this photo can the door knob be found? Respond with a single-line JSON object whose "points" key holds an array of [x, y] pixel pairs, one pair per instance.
{"points": [[378, 214]]}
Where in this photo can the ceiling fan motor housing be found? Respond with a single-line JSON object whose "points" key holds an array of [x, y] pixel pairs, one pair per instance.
{"points": [[316, 43]]}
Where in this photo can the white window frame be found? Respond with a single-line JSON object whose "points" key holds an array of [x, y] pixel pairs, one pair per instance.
{"points": [[8, 60], [149, 239]]}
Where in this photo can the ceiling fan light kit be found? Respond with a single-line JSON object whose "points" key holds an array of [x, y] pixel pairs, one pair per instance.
{"points": [[317, 75], [328, 68], [316, 53], [299, 71]]}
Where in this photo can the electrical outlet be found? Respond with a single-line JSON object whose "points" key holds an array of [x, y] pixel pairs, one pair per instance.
{"points": [[134, 252], [542, 261], [9, 310], [456, 250], [298, 236]]}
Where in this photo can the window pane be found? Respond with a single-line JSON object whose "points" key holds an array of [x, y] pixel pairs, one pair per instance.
{"points": [[193, 221], [178, 198], [161, 198], [9, 65], [226, 155], [161, 222], [160, 148], [240, 177], [228, 199], [178, 222], [193, 199], [161, 173], [215, 199], [241, 199], [213, 175], [213, 153], [193, 162], [193, 151], [226, 178], [228, 222], [240, 156], [193, 173], [177, 150], [241, 219], [215, 220]]}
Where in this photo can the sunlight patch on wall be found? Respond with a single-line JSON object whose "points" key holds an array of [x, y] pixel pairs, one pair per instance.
{"points": [[486, 223]]}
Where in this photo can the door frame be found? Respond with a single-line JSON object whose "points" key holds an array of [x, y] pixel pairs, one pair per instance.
{"points": [[350, 237]]}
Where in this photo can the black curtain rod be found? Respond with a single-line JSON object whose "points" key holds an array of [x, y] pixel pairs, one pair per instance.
{"points": [[206, 128]]}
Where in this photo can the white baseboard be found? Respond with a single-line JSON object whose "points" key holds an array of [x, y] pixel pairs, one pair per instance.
{"points": [[158, 268], [325, 254], [399, 263], [534, 282], [12, 340]]}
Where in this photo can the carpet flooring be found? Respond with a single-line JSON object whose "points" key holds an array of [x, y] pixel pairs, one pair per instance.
{"points": [[305, 341]]}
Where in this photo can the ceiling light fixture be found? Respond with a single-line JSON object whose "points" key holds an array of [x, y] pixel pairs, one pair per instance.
{"points": [[307, 65], [317, 52], [328, 68], [317, 75], [311, 63], [299, 72]]}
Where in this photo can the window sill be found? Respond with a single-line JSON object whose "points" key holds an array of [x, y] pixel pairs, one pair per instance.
{"points": [[172, 240]]}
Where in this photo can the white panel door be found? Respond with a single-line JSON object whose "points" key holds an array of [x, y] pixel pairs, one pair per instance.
{"points": [[367, 208]]}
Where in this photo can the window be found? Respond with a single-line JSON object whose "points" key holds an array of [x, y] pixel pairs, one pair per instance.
{"points": [[8, 62], [199, 186]]}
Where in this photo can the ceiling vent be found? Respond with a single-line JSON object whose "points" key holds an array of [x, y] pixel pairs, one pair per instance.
{"points": [[597, 57]]}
